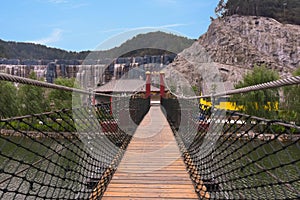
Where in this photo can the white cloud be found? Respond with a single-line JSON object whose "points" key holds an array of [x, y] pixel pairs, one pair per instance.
{"points": [[55, 36], [173, 25]]}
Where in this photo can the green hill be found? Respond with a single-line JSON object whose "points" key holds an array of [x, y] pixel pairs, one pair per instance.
{"points": [[152, 43], [22, 50]]}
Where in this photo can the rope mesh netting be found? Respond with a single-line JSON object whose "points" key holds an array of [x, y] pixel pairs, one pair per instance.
{"points": [[73, 153], [231, 155], [66, 154]]}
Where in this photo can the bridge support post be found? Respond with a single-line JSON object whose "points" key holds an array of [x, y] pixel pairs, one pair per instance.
{"points": [[162, 84], [148, 84]]}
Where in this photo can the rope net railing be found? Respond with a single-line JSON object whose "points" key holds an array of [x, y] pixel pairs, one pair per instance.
{"points": [[232, 155], [65, 153]]}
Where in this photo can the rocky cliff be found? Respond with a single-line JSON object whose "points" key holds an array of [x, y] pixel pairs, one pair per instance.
{"points": [[243, 41], [234, 44]]}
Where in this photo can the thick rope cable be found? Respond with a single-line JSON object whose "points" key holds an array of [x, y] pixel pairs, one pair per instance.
{"points": [[252, 158], [28, 81], [49, 159], [268, 85], [249, 160]]}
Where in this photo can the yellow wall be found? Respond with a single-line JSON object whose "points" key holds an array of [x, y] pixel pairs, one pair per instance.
{"points": [[223, 105], [232, 105]]}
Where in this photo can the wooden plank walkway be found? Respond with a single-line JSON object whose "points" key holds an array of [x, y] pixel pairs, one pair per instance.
{"points": [[152, 167]]}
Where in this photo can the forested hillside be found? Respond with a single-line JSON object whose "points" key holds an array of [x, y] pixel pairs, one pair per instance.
{"points": [[284, 11], [22, 50], [154, 43]]}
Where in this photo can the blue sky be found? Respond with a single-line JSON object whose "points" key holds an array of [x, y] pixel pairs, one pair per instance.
{"points": [[77, 25]]}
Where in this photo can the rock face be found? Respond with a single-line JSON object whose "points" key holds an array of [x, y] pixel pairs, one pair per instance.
{"points": [[194, 67], [245, 40], [232, 46]]}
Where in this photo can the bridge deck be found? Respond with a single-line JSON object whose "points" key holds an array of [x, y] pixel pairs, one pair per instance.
{"points": [[152, 167]]}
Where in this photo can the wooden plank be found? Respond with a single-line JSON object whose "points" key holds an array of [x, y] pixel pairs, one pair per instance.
{"points": [[152, 167], [162, 171], [147, 190], [152, 175], [148, 198], [136, 185], [162, 182], [173, 194], [157, 178], [155, 160]]}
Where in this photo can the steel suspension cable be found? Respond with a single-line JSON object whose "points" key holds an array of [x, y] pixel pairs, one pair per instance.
{"points": [[268, 85]]}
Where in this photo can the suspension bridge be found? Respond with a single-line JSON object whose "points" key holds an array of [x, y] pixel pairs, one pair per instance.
{"points": [[132, 148]]}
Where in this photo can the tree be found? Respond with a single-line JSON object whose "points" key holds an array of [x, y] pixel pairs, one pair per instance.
{"points": [[8, 100], [31, 99], [220, 9], [62, 99], [285, 11], [262, 103], [291, 104]]}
